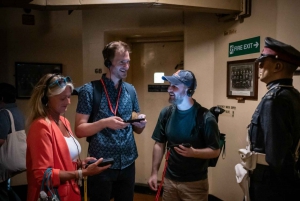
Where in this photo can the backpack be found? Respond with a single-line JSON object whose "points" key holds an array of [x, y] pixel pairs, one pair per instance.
{"points": [[97, 92], [200, 126]]}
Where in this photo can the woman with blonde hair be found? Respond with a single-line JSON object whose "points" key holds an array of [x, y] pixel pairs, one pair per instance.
{"points": [[51, 142]]}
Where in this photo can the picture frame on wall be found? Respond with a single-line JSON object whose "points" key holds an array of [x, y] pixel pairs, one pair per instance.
{"points": [[27, 74], [242, 79]]}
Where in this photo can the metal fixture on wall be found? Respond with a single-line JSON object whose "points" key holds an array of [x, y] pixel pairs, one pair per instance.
{"points": [[246, 5], [179, 66], [216, 6], [28, 19]]}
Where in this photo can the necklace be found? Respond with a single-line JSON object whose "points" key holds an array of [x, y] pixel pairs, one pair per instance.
{"points": [[56, 121], [80, 162]]}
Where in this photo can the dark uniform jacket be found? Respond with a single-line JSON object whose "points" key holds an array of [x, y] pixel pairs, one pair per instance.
{"points": [[275, 127]]}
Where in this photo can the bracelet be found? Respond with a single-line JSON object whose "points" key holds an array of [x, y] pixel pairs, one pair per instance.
{"points": [[80, 174], [80, 177]]}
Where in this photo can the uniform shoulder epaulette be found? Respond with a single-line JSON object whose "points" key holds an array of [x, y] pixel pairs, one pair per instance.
{"points": [[273, 92], [276, 90]]}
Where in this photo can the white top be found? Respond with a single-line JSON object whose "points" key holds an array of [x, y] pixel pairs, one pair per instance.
{"points": [[74, 149]]}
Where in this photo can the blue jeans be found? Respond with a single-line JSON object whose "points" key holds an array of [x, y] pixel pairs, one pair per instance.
{"points": [[117, 184]]}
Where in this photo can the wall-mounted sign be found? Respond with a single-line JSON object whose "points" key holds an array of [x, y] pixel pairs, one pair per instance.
{"points": [[242, 47], [158, 88]]}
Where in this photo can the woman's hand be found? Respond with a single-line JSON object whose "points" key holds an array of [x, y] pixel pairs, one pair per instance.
{"points": [[84, 162], [93, 168]]}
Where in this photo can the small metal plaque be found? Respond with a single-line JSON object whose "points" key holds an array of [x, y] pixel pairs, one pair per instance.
{"points": [[158, 88]]}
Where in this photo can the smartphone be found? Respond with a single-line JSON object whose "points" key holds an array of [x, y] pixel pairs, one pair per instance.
{"points": [[105, 162], [187, 145], [134, 120]]}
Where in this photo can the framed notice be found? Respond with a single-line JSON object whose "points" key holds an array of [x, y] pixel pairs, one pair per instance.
{"points": [[28, 74], [242, 79]]}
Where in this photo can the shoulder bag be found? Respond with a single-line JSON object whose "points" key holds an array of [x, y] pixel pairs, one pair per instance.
{"points": [[13, 151]]}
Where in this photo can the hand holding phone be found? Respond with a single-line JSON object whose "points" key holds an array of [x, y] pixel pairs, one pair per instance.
{"points": [[187, 145], [105, 162], [134, 120]]}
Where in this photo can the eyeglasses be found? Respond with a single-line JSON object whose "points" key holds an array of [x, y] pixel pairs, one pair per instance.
{"points": [[61, 82]]}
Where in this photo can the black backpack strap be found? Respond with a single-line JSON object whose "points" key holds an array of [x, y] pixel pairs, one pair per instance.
{"points": [[97, 92], [200, 119], [223, 143], [131, 92], [215, 111], [167, 115]]}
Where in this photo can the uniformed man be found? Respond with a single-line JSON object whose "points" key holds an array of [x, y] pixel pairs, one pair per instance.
{"points": [[275, 125]]}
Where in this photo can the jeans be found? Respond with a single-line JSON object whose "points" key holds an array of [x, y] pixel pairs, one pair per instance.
{"points": [[112, 183]]}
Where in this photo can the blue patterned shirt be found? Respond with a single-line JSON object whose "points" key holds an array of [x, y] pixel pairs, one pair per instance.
{"points": [[108, 143]]}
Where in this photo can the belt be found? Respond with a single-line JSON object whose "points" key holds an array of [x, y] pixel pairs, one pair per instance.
{"points": [[261, 159], [249, 159]]}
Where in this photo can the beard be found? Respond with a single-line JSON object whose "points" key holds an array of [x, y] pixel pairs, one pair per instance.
{"points": [[177, 99]]}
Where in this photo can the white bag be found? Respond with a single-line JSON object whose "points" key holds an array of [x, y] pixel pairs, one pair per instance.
{"points": [[13, 151], [242, 178]]}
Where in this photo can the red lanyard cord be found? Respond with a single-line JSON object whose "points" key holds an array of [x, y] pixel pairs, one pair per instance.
{"points": [[108, 99], [163, 176]]}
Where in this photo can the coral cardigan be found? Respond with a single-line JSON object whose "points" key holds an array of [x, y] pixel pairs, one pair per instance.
{"points": [[46, 147]]}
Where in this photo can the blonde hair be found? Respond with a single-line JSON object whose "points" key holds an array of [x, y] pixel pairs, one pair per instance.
{"points": [[38, 109]]}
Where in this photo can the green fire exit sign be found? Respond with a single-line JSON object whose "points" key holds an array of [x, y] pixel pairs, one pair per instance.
{"points": [[242, 47]]}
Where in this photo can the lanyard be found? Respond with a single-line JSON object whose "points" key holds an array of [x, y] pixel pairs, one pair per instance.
{"points": [[163, 176], [108, 99]]}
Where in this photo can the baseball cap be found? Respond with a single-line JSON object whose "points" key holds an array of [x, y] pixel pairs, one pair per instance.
{"points": [[182, 77]]}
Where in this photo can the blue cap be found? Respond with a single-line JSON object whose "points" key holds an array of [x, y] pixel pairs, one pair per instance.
{"points": [[182, 77]]}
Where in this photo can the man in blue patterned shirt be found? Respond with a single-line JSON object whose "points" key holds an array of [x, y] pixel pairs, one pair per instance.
{"points": [[112, 137]]}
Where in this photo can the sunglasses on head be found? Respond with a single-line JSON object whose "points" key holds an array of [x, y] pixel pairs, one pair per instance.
{"points": [[61, 82]]}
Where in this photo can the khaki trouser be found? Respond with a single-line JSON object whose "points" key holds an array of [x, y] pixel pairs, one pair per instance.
{"points": [[185, 191]]}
